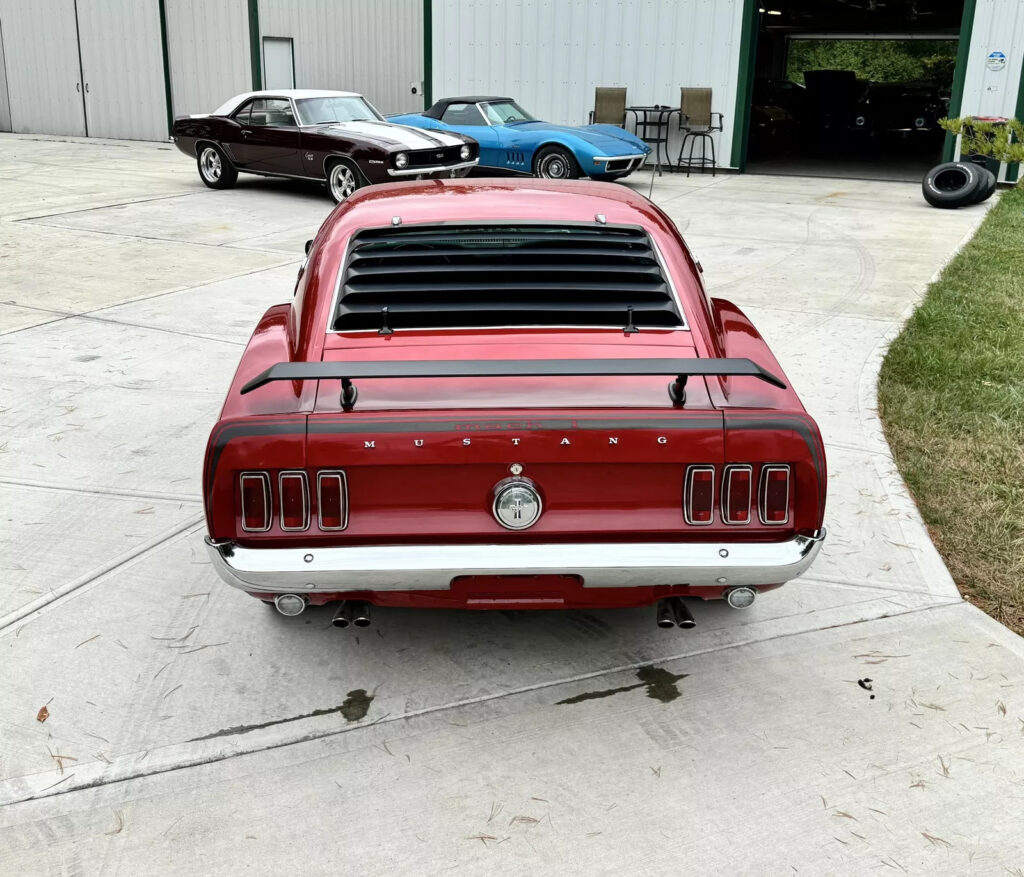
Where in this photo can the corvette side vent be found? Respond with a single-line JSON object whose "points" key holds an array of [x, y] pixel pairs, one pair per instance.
{"points": [[456, 276]]}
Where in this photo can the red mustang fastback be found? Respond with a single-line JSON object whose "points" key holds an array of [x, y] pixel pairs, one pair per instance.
{"points": [[508, 395]]}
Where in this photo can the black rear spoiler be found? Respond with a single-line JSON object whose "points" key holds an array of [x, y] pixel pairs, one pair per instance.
{"points": [[346, 372]]}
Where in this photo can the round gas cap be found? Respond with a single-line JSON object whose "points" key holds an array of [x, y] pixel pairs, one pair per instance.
{"points": [[517, 504]]}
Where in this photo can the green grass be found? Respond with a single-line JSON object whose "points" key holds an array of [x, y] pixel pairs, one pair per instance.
{"points": [[951, 397]]}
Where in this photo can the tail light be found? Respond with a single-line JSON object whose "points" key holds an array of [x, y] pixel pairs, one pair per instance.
{"points": [[773, 505], [699, 495], [294, 490], [332, 500], [736, 495], [255, 495]]}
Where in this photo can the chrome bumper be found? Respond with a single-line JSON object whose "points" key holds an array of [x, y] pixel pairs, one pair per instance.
{"points": [[432, 567], [436, 169]]}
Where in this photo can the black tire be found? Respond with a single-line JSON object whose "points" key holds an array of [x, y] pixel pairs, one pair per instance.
{"points": [[952, 184], [987, 187], [343, 178], [555, 163], [214, 168]]}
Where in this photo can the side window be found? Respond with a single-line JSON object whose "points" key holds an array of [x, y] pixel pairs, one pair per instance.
{"points": [[271, 111], [462, 114], [242, 116]]}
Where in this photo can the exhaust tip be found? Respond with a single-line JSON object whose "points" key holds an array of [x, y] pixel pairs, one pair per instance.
{"points": [[687, 623], [740, 598], [361, 614], [667, 615], [290, 604], [342, 615]]}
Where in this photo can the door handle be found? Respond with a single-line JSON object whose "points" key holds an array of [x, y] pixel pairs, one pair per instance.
{"points": [[246, 133], [87, 88]]}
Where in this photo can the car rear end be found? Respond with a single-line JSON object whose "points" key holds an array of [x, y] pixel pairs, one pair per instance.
{"points": [[515, 415]]}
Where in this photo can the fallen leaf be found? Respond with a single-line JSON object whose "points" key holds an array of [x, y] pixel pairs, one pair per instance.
{"points": [[43, 714]]}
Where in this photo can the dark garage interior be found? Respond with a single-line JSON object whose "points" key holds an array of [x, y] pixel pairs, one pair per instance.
{"points": [[852, 88]]}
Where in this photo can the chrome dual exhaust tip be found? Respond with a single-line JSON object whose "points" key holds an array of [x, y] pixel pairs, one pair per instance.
{"points": [[672, 612], [355, 612]]}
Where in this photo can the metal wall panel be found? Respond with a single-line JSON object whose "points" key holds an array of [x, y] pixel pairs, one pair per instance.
{"points": [[551, 54], [998, 27], [5, 105], [208, 52], [122, 65], [374, 47], [43, 72]]}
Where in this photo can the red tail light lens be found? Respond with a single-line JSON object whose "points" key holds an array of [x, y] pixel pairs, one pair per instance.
{"points": [[699, 495], [332, 500], [255, 496], [774, 499], [736, 495], [294, 490]]}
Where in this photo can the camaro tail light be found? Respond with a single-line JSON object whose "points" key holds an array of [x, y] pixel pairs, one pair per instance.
{"points": [[294, 490], [736, 495], [255, 496], [773, 504], [332, 500], [699, 495]]}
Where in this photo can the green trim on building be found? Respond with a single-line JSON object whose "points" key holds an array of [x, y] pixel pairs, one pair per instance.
{"points": [[428, 53], [254, 45], [1013, 170], [745, 84], [167, 65], [956, 96]]}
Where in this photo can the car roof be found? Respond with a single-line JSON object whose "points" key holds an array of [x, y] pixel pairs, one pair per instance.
{"points": [[493, 200], [440, 106], [295, 93]]}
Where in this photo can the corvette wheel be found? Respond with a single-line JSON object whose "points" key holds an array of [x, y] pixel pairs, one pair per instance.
{"points": [[214, 168], [555, 163], [342, 181]]}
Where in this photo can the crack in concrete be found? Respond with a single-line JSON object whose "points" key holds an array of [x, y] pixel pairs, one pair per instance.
{"points": [[102, 491]]}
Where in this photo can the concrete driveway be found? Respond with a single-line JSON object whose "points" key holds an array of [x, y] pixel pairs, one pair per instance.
{"points": [[860, 719]]}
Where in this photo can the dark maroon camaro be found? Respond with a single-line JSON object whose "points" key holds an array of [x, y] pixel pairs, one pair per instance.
{"points": [[335, 137]]}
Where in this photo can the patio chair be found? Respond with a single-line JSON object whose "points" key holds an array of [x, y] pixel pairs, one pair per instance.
{"points": [[609, 107], [699, 123]]}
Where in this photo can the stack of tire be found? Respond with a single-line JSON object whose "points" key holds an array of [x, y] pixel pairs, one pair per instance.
{"points": [[958, 184]]}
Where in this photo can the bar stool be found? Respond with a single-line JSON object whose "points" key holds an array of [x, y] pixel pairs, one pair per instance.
{"points": [[699, 123]]}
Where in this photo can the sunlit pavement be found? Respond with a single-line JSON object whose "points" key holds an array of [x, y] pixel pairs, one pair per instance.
{"points": [[860, 719]]}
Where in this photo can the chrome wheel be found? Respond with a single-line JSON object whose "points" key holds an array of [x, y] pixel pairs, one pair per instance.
{"points": [[210, 164], [554, 166], [342, 182]]}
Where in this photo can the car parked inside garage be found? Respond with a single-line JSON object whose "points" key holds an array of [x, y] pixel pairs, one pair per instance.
{"points": [[508, 395], [332, 136]]}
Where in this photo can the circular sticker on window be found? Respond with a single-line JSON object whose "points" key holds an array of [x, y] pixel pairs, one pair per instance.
{"points": [[995, 61]]}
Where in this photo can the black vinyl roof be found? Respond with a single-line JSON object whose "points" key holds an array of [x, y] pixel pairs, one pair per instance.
{"points": [[437, 110]]}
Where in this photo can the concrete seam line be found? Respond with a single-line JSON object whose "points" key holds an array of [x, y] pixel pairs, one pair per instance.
{"points": [[107, 321], [101, 491], [104, 207], [54, 596], [95, 778]]}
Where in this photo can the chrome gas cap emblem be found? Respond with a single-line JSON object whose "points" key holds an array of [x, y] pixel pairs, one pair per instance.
{"points": [[517, 503]]}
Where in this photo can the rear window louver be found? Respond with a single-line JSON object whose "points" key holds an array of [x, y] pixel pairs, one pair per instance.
{"points": [[503, 275]]}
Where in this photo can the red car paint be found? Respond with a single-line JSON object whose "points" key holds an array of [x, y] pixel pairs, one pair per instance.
{"points": [[421, 457]]}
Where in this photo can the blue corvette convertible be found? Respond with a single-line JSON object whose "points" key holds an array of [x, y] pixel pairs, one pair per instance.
{"points": [[512, 140]]}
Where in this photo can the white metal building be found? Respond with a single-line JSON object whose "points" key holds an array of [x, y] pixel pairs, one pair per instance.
{"points": [[125, 68]]}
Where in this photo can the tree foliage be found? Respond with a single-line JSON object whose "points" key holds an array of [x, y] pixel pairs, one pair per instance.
{"points": [[1003, 141], [876, 60]]}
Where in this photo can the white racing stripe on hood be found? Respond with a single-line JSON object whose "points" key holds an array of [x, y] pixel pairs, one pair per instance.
{"points": [[410, 138]]}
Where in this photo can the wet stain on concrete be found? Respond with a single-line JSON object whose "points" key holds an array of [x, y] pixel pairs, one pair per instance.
{"points": [[353, 708], [661, 685], [356, 705]]}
